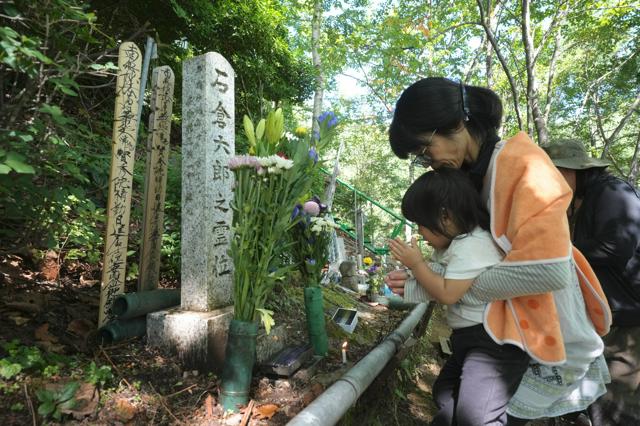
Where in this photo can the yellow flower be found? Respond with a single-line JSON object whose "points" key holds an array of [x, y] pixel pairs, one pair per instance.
{"points": [[301, 131], [367, 261]]}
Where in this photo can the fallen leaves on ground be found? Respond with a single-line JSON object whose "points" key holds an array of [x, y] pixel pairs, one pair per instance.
{"points": [[209, 404], [125, 410], [42, 334], [81, 327], [46, 340], [87, 399], [265, 411]]}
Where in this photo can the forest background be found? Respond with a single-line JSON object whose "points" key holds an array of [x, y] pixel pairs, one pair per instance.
{"points": [[563, 69]]}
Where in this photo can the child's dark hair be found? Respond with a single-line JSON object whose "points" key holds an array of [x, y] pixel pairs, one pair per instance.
{"points": [[441, 192]]}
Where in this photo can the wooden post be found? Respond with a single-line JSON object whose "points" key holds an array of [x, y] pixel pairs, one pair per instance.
{"points": [[162, 83], [360, 235], [125, 128]]}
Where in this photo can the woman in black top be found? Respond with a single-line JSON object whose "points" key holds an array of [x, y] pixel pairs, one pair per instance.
{"points": [[605, 221]]}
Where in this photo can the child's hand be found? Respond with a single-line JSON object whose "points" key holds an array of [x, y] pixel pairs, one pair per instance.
{"points": [[409, 256]]}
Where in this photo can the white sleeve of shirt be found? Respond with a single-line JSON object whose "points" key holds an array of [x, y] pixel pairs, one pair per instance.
{"points": [[472, 254]]}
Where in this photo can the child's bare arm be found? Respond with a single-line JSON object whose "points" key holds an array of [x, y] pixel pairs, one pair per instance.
{"points": [[443, 290]]}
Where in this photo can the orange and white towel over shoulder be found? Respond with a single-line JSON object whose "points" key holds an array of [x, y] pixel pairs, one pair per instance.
{"points": [[528, 199]]}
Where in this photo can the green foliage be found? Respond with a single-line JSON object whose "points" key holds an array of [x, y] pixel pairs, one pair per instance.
{"points": [[98, 376], [52, 402], [252, 34], [31, 360], [58, 71], [20, 358], [17, 407], [51, 153]]}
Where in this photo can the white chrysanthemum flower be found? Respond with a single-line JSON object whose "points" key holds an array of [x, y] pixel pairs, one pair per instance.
{"points": [[284, 163], [275, 163]]}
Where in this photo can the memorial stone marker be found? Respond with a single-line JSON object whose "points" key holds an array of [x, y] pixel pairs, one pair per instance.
{"points": [[208, 143], [197, 331]]}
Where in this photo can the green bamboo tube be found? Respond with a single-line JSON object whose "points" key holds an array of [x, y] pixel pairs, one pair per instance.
{"points": [[315, 320], [240, 356]]}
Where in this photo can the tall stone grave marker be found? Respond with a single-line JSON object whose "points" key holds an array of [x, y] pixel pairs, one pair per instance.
{"points": [[208, 143], [125, 128], [162, 82], [197, 331]]}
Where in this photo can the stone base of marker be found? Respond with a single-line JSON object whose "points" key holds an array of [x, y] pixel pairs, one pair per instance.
{"points": [[199, 338]]}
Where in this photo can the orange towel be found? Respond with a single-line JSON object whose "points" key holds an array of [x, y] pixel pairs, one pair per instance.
{"points": [[529, 202]]}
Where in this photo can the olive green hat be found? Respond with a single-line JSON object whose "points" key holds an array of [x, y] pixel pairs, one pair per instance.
{"points": [[571, 154]]}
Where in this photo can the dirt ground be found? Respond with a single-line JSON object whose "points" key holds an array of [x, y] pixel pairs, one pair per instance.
{"points": [[49, 311]]}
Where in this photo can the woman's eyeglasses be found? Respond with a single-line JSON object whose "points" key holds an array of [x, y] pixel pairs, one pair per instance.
{"points": [[423, 159]]}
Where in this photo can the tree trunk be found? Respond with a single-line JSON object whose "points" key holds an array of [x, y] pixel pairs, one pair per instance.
{"points": [[492, 12], [503, 62], [611, 139], [633, 169], [532, 85], [551, 75], [330, 192], [487, 48], [316, 23]]}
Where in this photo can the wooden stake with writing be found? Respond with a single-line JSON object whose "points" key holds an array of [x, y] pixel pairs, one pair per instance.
{"points": [[162, 83], [125, 128]]}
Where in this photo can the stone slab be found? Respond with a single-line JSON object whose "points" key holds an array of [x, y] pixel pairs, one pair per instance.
{"points": [[199, 338]]}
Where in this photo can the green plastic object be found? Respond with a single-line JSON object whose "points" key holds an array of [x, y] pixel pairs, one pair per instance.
{"points": [[240, 356], [119, 329], [315, 320], [131, 305]]}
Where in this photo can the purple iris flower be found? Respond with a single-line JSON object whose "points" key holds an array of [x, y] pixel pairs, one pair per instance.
{"points": [[330, 116], [324, 116], [313, 154], [296, 211]]}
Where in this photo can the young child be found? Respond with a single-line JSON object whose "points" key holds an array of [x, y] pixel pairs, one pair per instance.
{"points": [[452, 219]]}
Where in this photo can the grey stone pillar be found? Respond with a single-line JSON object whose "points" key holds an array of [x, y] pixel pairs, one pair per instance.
{"points": [[208, 142], [197, 331]]}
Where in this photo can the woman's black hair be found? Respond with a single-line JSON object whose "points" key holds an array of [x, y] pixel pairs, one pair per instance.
{"points": [[441, 192], [439, 103]]}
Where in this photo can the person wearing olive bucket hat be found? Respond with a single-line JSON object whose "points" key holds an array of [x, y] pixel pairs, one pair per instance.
{"points": [[605, 226]]}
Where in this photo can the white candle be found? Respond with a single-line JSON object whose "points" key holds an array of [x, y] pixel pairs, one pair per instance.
{"points": [[344, 353]]}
